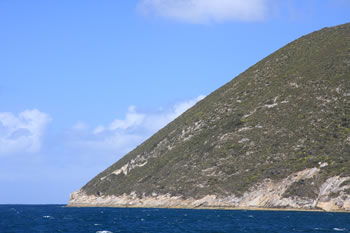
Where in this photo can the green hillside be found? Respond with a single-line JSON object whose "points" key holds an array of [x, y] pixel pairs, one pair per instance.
{"points": [[288, 112]]}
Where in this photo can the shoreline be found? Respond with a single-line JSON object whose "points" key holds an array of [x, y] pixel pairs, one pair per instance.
{"points": [[248, 208], [268, 195]]}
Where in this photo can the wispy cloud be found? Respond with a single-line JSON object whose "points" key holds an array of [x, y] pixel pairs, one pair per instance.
{"points": [[99, 129], [22, 133], [122, 135], [132, 119], [206, 11], [154, 122], [80, 126]]}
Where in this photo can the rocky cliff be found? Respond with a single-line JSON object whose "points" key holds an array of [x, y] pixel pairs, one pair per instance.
{"points": [[276, 136]]}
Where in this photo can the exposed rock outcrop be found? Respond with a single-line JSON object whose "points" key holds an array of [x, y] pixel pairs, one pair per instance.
{"points": [[268, 194]]}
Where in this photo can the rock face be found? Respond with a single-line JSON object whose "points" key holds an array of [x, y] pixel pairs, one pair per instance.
{"points": [[276, 136], [268, 194]]}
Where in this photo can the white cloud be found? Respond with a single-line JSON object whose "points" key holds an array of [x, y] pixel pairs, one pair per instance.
{"points": [[154, 122], [206, 11], [99, 129], [122, 135], [117, 143], [132, 119], [22, 133], [80, 126]]}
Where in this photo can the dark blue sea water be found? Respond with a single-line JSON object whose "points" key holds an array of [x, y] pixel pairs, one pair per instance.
{"points": [[57, 218]]}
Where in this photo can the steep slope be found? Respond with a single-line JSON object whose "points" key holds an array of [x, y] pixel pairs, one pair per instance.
{"points": [[278, 135]]}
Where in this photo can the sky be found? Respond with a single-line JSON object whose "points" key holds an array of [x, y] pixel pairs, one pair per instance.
{"points": [[84, 82]]}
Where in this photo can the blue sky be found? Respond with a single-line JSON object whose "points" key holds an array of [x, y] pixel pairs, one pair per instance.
{"points": [[84, 82]]}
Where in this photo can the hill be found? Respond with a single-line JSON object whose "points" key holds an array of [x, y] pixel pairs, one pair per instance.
{"points": [[276, 136]]}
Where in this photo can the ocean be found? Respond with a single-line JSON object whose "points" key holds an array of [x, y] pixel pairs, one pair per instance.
{"points": [[58, 218]]}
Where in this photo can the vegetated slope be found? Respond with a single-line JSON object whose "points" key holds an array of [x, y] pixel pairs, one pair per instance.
{"points": [[287, 113]]}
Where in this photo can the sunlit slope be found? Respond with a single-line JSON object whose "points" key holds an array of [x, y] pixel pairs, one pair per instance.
{"points": [[289, 112]]}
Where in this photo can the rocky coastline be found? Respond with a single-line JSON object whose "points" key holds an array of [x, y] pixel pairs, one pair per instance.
{"points": [[268, 195]]}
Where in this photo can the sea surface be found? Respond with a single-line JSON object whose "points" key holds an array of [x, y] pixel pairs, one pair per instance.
{"points": [[57, 218]]}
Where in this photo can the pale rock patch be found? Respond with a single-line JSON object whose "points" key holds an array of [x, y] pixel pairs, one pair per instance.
{"points": [[268, 194]]}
